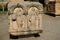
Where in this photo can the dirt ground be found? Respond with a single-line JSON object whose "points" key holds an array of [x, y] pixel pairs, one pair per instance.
{"points": [[51, 28]]}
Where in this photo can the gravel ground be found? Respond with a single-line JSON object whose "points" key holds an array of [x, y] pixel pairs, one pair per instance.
{"points": [[51, 28]]}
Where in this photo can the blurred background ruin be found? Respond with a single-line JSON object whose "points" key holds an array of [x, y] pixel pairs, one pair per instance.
{"points": [[3, 4]]}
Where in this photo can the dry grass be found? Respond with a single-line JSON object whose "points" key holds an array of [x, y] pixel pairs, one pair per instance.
{"points": [[1, 12], [3, 3], [16, 0]]}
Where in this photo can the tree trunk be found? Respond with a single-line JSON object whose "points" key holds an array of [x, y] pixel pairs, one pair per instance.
{"points": [[3, 8]]}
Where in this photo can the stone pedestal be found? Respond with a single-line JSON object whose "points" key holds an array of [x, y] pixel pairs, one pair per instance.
{"points": [[57, 8]]}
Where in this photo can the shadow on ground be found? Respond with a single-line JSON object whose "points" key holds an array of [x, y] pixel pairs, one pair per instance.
{"points": [[50, 14], [24, 36]]}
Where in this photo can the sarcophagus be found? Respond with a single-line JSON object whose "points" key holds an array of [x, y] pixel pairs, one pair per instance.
{"points": [[53, 7], [25, 17], [57, 0]]}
